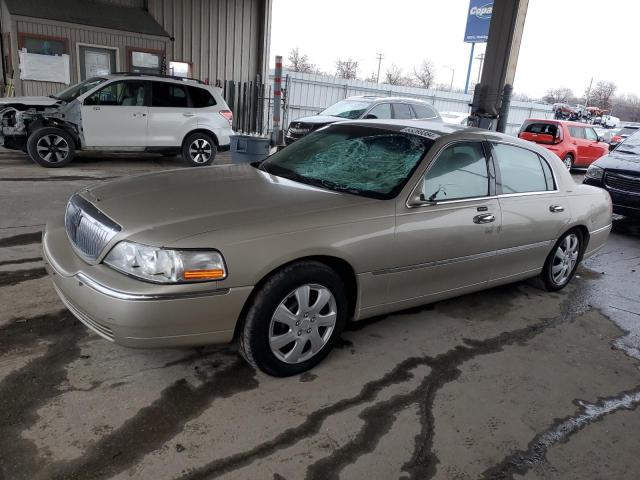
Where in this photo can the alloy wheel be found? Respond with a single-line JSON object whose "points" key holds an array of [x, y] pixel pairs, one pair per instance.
{"points": [[302, 323], [200, 151], [52, 148], [568, 162], [565, 259]]}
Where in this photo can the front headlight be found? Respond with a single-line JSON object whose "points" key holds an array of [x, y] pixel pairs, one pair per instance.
{"points": [[166, 266], [595, 172]]}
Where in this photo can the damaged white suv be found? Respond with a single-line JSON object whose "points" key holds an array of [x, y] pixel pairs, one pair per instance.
{"points": [[120, 113]]}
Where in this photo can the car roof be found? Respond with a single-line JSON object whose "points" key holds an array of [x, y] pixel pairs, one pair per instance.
{"points": [[376, 98], [162, 78], [561, 122], [436, 127]]}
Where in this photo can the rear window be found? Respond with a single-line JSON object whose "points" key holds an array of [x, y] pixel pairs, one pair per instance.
{"points": [[522, 170], [168, 95], [201, 98], [402, 110], [423, 111], [540, 127]]}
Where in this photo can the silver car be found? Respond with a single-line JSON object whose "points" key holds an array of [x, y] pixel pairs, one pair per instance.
{"points": [[356, 220]]}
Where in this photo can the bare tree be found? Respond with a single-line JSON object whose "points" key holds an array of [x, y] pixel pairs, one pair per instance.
{"points": [[601, 95], [393, 75], [559, 95], [346, 68], [425, 74], [299, 62]]}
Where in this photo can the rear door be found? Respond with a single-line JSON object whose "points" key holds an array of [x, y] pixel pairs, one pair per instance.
{"points": [[116, 115], [534, 211], [171, 115], [582, 145]]}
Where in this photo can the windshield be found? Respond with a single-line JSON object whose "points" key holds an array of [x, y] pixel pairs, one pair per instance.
{"points": [[75, 91], [631, 144], [367, 161], [347, 109]]}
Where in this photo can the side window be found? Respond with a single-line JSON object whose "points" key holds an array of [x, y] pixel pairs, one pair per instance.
{"points": [[380, 111], [165, 94], [460, 171], [548, 175], [201, 98], [577, 132], [521, 170], [402, 110], [124, 93], [590, 134], [423, 111]]}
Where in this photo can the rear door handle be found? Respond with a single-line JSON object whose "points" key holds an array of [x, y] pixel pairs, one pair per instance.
{"points": [[484, 218], [139, 114], [556, 208], [188, 114]]}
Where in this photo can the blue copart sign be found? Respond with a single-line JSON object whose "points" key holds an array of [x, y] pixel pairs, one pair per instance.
{"points": [[478, 20]]}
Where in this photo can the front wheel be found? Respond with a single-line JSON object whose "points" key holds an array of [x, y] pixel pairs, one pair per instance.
{"points": [[51, 147], [294, 319], [199, 149], [562, 262]]}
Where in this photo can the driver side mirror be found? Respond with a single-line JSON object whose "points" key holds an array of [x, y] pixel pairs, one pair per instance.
{"points": [[600, 139], [89, 101], [370, 116]]}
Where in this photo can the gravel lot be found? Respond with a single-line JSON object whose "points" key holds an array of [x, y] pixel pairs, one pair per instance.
{"points": [[508, 383]]}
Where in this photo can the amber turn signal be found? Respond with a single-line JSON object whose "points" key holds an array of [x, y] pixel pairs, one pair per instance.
{"points": [[203, 274]]}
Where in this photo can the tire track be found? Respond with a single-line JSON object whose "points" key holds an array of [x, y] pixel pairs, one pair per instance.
{"points": [[18, 276]]}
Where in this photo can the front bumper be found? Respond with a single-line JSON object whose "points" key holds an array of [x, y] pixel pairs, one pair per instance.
{"points": [[627, 204], [150, 316]]}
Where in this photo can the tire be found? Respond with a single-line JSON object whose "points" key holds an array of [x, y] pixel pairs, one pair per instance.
{"points": [[560, 266], [199, 149], [278, 336], [51, 147], [568, 161]]}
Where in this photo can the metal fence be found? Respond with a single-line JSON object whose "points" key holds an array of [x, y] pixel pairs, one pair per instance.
{"points": [[307, 94], [249, 102]]}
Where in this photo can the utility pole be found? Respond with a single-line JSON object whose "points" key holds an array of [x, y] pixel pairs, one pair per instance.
{"points": [[379, 56], [453, 72], [586, 102], [481, 58]]}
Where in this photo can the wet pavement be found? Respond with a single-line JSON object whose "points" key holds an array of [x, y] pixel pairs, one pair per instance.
{"points": [[513, 382]]}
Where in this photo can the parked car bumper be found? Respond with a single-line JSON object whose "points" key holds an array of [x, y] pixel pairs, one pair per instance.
{"points": [[166, 316], [624, 203]]}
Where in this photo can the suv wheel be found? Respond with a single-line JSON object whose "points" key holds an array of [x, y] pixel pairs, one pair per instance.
{"points": [[51, 147], [294, 319], [199, 149], [568, 161]]}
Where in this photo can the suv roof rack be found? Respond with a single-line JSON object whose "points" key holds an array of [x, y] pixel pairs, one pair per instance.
{"points": [[141, 74]]}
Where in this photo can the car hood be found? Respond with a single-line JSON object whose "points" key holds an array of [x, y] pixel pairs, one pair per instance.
{"points": [[319, 120], [31, 101], [619, 161], [161, 208]]}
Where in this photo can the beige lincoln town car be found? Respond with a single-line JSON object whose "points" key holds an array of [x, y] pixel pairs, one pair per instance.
{"points": [[355, 220]]}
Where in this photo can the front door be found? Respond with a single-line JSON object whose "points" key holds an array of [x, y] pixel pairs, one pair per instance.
{"points": [[447, 245], [95, 61], [534, 212], [116, 116]]}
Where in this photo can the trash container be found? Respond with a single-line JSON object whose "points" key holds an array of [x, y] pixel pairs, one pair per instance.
{"points": [[249, 148]]}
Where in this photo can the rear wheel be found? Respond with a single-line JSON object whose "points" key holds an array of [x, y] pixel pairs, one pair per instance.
{"points": [[294, 319], [568, 161], [562, 262], [51, 147], [199, 149]]}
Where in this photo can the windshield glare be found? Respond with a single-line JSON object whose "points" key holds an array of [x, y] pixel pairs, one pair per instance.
{"points": [[75, 91], [365, 161], [631, 144], [351, 109]]}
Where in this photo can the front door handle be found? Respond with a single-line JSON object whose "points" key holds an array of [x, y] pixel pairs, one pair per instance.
{"points": [[188, 114], [556, 208], [484, 218]]}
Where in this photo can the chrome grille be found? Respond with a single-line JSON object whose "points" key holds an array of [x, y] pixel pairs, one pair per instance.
{"points": [[624, 183], [88, 228]]}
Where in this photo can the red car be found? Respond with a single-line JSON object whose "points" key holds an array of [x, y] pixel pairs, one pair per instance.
{"points": [[577, 144]]}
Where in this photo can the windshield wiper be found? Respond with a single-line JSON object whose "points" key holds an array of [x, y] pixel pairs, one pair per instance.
{"points": [[54, 97], [626, 151]]}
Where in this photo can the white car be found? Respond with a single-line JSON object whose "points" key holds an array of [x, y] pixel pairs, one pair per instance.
{"points": [[456, 118], [120, 113]]}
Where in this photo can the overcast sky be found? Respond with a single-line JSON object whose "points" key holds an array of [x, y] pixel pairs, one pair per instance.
{"points": [[565, 43]]}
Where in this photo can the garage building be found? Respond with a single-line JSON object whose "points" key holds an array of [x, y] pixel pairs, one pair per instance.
{"points": [[47, 44]]}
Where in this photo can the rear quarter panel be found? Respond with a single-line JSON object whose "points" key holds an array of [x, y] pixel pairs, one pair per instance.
{"points": [[591, 207]]}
